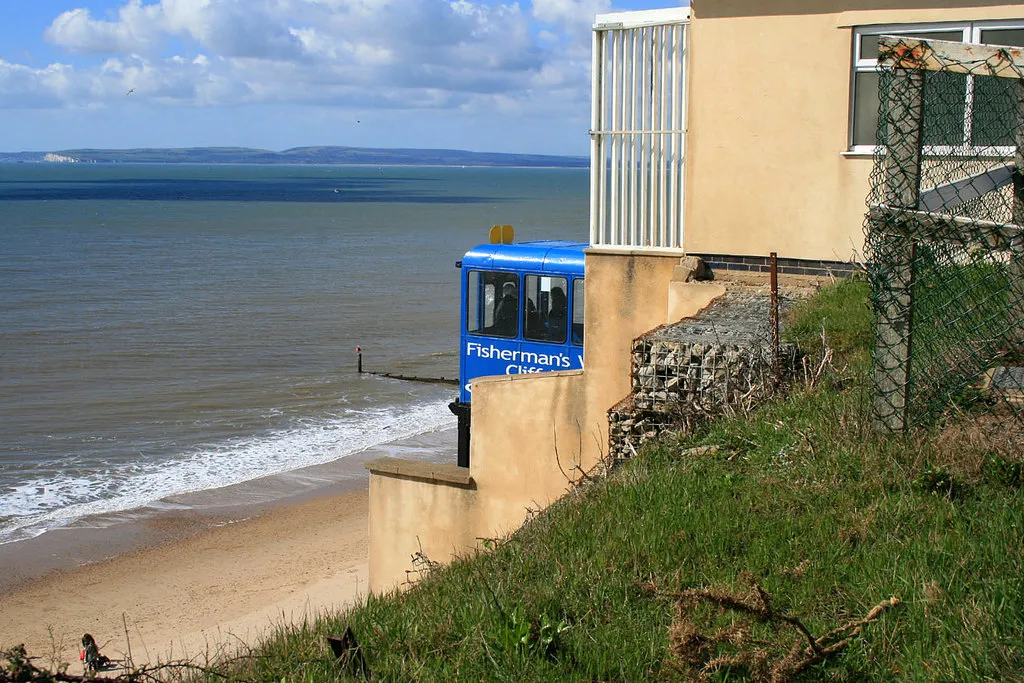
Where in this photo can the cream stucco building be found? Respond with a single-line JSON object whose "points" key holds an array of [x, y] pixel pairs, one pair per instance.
{"points": [[755, 131]]}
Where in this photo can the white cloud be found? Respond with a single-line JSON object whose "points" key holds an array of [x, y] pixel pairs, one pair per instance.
{"points": [[27, 87], [135, 30], [253, 28], [576, 16], [463, 54]]}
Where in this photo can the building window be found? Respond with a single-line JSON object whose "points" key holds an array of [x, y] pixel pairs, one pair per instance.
{"points": [[949, 98]]}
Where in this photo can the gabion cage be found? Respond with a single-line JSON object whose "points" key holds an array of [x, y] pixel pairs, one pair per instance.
{"points": [[944, 236], [720, 361]]}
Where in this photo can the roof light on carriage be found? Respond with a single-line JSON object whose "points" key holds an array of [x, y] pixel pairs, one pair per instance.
{"points": [[502, 234]]}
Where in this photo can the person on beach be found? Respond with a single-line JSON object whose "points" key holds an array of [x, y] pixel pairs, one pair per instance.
{"points": [[91, 657]]}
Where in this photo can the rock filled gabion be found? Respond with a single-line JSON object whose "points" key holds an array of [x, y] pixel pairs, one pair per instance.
{"points": [[629, 427], [717, 362]]}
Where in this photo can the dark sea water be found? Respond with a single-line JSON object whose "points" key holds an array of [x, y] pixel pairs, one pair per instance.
{"points": [[174, 329]]}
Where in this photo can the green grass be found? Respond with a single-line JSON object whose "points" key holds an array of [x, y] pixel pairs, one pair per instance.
{"points": [[964, 323], [800, 499], [842, 312]]}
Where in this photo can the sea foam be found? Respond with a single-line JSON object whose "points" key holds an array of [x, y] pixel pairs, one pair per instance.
{"points": [[33, 507]]}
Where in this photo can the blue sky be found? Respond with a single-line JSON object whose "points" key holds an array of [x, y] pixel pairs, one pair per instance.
{"points": [[483, 75]]}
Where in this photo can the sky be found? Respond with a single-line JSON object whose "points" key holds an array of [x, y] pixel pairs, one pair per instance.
{"points": [[482, 75]]}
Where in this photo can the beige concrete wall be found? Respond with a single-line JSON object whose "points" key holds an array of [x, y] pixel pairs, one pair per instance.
{"points": [[408, 515], [769, 119], [532, 435], [526, 444], [890, 11]]}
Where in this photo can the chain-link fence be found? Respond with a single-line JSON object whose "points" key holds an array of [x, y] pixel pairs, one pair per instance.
{"points": [[945, 246]]}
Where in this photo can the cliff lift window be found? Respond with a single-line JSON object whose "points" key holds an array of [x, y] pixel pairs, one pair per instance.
{"points": [[972, 134], [493, 302], [578, 291], [545, 317]]}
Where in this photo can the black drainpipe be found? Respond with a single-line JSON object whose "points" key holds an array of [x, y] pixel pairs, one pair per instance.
{"points": [[461, 411]]}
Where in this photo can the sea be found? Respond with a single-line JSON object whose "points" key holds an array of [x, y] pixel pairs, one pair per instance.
{"points": [[170, 333]]}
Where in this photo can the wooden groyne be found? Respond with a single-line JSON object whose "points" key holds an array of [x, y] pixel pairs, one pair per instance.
{"points": [[406, 378], [414, 378]]}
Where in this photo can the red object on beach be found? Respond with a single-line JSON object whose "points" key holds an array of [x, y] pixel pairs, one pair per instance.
{"points": [[81, 656]]}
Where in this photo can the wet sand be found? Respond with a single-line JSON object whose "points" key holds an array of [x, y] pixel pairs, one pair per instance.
{"points": [[187, 579]]}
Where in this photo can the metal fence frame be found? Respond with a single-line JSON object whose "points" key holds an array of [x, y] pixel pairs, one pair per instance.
{"points": [[906, 217], [638, 129]]}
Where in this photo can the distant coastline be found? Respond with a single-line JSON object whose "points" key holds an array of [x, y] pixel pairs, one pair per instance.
{"points": [[297, 155]]}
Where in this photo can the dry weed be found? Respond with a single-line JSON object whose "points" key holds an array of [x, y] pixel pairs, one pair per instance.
{"points": [[787, 648]]}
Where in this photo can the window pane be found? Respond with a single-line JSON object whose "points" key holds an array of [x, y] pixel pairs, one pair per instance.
{"points": [[577, 311], [533, 325], [869, 47], [1010, 37], [474, 309], [865, 108], [547, 308], [869, 44], [492, 303], [994, 98], [993, 117], [956, 36], [945, 104]]}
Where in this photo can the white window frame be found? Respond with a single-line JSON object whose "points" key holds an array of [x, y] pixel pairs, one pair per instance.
{"points": [[971, 33]]}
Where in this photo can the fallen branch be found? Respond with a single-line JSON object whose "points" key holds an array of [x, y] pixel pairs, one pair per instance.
{"points": [[700, 655], [16, 666]]}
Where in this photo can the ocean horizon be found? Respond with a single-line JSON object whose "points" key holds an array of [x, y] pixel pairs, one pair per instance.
{"points": [[306, 155]]}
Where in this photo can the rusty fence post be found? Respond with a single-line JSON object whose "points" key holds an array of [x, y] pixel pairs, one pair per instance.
{"points": [[773, 269]]}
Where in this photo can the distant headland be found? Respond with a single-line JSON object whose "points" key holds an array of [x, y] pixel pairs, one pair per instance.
{"points": [[297, 155]]}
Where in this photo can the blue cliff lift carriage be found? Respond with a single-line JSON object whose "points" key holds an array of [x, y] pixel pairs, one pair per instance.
{"points": [[522, 313]]}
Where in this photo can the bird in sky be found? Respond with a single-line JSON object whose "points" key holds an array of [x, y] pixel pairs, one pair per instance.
{"points": [[130, 91]]}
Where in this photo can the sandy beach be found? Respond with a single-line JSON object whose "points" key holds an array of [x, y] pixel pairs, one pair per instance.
{"points": [[203, 571], [187, 597]]}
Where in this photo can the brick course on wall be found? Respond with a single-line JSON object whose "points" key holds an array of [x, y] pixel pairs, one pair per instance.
{"points": [[786, 266]]}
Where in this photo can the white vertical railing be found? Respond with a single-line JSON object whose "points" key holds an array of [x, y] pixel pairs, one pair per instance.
{"points": [[638, 129]]}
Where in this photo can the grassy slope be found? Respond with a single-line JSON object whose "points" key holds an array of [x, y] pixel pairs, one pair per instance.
{"points": [[801, 499]]}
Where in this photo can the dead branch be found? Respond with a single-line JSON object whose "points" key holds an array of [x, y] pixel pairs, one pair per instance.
{"points": [[699, 655], [16, 666], [577, 476], [422, 565]]}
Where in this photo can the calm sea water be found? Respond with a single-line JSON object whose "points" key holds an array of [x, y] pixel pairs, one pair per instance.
{"points": [[171, 329]]}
